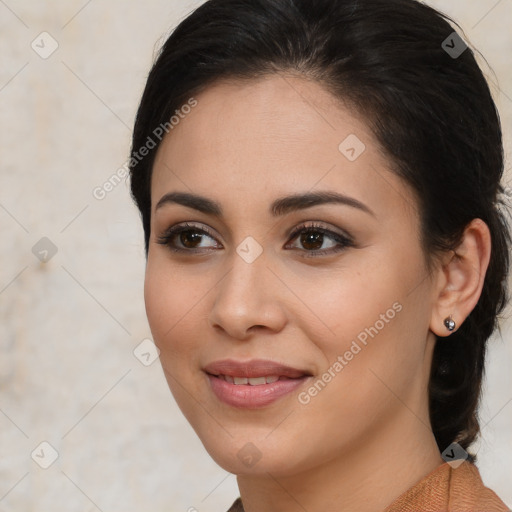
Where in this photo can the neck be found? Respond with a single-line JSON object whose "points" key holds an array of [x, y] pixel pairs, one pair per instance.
{"points": [[366, 479]]}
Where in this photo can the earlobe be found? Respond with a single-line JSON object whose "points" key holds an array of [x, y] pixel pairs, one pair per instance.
{"points": [[461, 279]]}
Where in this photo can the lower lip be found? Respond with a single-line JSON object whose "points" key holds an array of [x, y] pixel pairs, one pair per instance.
{"points": [[252, 397]]}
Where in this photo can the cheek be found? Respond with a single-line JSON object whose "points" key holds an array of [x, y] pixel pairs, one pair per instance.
{"points": [[169, 303], [371, 330], [362, 385], [371, 371], [159, 304], [348, 305], [170, 310]]}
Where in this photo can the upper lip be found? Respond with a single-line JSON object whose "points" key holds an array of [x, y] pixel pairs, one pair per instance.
{"points": [[253, 369]]}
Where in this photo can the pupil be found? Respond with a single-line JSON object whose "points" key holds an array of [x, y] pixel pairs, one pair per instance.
{"points": [[186, 236], [310, 237]]}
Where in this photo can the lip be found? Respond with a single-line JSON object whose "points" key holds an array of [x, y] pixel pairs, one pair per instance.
{"points": [[253, 396]]}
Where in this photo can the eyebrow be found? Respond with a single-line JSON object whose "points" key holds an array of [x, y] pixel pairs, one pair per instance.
{"points": [[279, 207]]}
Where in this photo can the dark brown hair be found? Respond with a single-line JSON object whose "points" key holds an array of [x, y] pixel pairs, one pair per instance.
{"points": [[399, 64]]}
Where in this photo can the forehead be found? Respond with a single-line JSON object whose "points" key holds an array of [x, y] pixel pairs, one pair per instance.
{"points": [[248, 141]]}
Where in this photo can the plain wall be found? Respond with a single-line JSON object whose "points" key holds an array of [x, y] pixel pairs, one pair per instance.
{"points": [[68, 374]]}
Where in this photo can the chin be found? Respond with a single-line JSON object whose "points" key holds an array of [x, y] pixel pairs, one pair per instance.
{"points": [[245, 457]]}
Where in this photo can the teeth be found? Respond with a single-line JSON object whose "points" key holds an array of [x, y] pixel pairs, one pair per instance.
{"points": [[253, 381], [257, 381]]}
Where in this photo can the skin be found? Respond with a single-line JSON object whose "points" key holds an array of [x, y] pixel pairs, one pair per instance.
{"points": [[365, 438]]}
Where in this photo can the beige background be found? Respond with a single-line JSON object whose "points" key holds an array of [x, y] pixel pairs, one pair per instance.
{"points": [[68, 374]]}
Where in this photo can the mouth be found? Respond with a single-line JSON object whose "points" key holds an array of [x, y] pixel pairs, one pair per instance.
{"points": [[253, 369], [251, 381], [254, 383]]}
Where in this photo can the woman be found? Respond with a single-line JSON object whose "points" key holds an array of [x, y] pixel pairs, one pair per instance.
{"points": [[318, 183]]}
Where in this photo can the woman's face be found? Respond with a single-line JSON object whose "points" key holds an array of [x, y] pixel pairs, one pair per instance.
{"points": [[338, 311]]}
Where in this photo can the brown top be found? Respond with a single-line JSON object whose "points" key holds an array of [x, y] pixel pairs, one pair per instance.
{"points": [[445, 489]]}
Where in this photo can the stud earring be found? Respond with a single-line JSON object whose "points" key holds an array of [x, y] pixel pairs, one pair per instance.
{"points": [[449, 323]]}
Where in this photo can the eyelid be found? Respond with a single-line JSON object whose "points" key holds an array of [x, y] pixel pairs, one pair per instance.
{"points": [[184, 226], [320, 225]]}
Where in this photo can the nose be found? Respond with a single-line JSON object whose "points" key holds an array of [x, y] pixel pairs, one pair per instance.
{"points": [[248, 299]]}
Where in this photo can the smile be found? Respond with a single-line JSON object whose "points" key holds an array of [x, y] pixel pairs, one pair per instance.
{"points": [[253, 384], [251, 381]]}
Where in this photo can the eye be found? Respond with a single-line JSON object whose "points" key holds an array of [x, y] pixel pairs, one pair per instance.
{"points": [[313, 237], [188, 236]]}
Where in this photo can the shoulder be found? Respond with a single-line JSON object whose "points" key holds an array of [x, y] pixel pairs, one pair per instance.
{"points": [[468, 492], [450, 489]]}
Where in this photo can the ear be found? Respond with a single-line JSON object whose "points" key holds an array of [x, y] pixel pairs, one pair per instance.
{"points": [[461, 278]]}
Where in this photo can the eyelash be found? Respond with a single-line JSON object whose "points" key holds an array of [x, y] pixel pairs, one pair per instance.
{"points": [[342, 240]]}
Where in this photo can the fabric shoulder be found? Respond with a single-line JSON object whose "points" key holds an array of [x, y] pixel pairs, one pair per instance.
{"points": [[468, 492], [449, 489]]}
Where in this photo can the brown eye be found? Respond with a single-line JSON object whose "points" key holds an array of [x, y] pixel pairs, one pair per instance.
{"points": [[312, 238], [186, 238], [190, 238]]}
